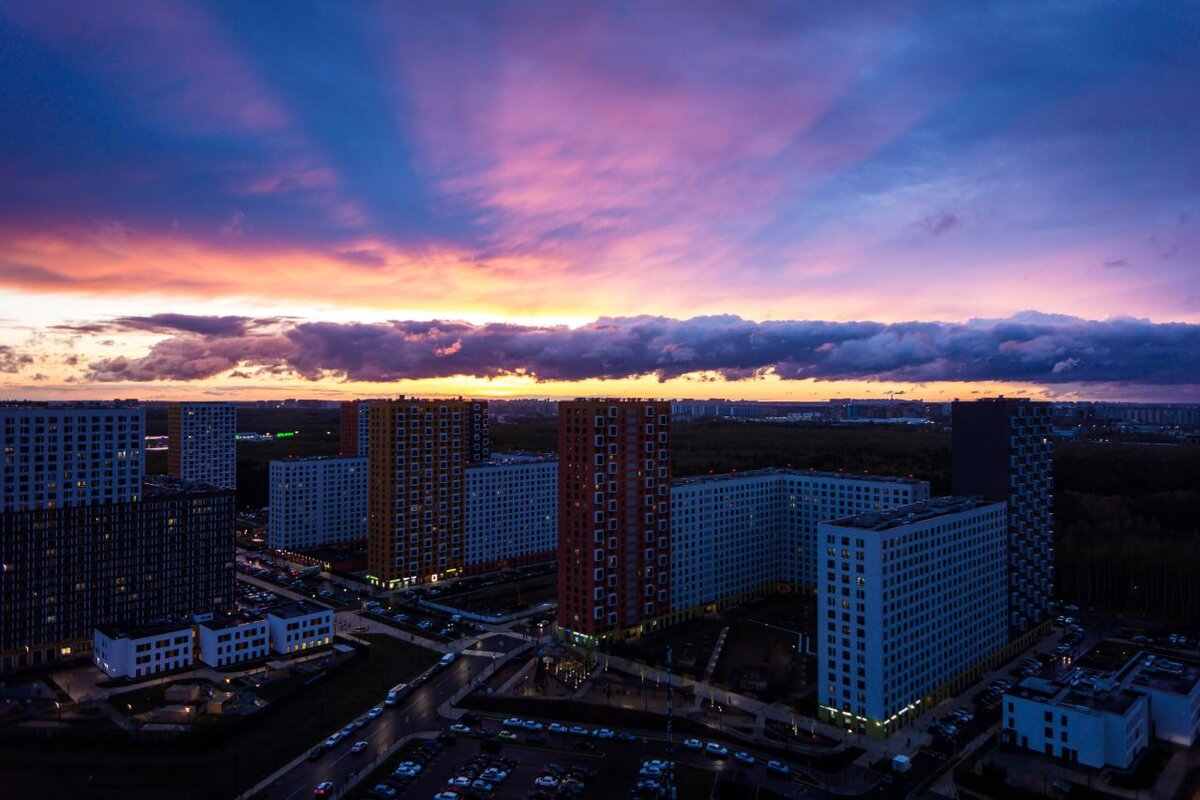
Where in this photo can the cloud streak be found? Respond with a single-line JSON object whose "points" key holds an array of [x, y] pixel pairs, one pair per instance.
{"points": [[1028, 347]]}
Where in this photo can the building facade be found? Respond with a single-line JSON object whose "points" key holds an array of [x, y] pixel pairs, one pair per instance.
{"points": [[1002, 450], [232, 638], [742, 533], [299, 626], [614, 517], [511, 511], [201, 443], [355, 427], [317, 501], [418, 452], [69, 456], [911, 606], [139, 652], [66, 571]]}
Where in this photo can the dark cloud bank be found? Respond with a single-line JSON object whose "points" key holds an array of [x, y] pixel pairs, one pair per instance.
{"points": [[1028, 347]]}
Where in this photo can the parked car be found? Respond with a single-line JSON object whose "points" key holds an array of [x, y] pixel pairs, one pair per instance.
{"points": [[692, 744], [742, 757]]}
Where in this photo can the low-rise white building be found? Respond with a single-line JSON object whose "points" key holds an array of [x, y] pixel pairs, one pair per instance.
{"points": [[911, 605], [1105, 710], [298, 626], [121, 652], [232, 639], [511, 511], [1094, 726], [737, 534], [317, 501]]}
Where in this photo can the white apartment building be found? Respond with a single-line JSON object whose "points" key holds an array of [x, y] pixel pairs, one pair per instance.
{"points": [[911, 603], [317, 501], [141, 652], [299, 626], [201, 444], [232, 639], [64, 456], [511, 511], [740, 533]]}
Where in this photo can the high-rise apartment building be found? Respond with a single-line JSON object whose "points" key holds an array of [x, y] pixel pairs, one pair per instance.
{"points": [[743, 533], [1002, 450], [201, 443], [511, 511], [911, 607], [317, 501], [355, 427], [614, 516], [418, 451], [66, 570], [68, 456]]}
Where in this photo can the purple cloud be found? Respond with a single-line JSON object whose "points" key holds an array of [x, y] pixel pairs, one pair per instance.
{"points": [[1028, 347], [12, 361]]}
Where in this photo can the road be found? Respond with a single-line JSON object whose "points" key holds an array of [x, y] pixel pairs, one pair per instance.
{"points": [[419, 712]]}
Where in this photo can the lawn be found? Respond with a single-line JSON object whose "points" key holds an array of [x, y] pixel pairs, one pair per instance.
{"points": [[694, 782]]}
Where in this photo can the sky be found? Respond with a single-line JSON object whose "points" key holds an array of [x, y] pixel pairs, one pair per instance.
{"points": [[779, 201]]}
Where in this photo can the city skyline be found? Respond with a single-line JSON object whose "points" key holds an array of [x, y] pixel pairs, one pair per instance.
{"points": [[760, 203]]}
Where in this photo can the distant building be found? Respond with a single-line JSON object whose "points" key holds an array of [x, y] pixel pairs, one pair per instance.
{"points": [[614, 517], [1002, 449], [317, 501], [511, 511], [66, 571], [418, 452], [911, 607], [69, 456], [299, 626], [138, 652], [201, 443], [1105, 710], [232, 638], [739, 534]]}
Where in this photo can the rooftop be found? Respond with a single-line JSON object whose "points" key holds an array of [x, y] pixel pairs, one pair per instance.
{"points": [[162, 485], [122, 631], [511, 459], [1080, 694], [811, 473], [230, 620], [913, 513], [296, 608]]}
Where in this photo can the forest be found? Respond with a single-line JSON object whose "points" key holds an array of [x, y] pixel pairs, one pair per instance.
{"points": [[1127, 515]]}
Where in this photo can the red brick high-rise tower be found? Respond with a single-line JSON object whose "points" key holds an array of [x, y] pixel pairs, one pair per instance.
{"points": [[614, 516]]}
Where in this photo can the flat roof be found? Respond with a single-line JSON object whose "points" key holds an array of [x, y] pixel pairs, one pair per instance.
{"points": [[162, 486], [511, 459], [231, 619], [1080, 695], [810, 473], [121, 631], [306, 459], [912, 513], [296, 608]]}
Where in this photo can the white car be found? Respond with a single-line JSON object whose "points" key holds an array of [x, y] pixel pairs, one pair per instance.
{"points": [[459, 781], [494, 775], [558, 727], [513, 722], [375, 712], [692, 744], [714, 750], [459, 728], [742, 757], [360, 746], [603, 733], [531, 725], [335, 740], [579, 730], [546, 782], [778, 767]]}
